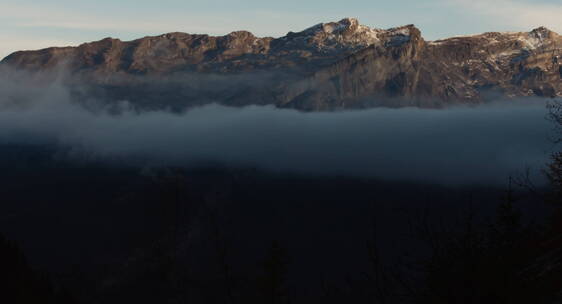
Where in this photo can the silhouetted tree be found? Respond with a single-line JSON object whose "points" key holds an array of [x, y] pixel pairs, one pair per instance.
{"points": [[506, 263], [19, 283], [554, 169], [273, 283]]}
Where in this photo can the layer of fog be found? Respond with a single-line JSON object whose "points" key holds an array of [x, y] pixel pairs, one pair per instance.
{"points": [[460, 145]]}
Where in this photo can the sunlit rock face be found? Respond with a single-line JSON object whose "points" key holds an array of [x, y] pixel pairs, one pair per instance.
{"points": [[328, 66]]}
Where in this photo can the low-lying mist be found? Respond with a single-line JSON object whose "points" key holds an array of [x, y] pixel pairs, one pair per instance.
{"points": [[458, 145]]}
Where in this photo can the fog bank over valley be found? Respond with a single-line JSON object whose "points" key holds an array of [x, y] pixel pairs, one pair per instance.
{"points": [[457, 145]]}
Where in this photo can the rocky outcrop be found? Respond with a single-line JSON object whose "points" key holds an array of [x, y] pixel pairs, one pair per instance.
{"points": [[327, 66], [432, 74]]}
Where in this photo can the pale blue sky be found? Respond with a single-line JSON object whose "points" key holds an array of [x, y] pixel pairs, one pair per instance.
{"points": [[32, 24]]}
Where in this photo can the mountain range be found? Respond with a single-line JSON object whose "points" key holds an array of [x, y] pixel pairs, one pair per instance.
{"points": [[328, 66]]}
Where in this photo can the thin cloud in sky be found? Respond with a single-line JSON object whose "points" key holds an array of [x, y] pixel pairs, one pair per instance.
{"points": [[30, 25], [87, 27], [516, 15], [262, 22], [25, 16], [29, 43]]}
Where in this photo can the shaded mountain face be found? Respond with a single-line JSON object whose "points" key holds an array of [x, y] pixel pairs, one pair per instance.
{"points": [[328, 66]]}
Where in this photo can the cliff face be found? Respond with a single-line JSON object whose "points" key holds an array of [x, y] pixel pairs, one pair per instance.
{"points": [[331, 65], [432, 74]]}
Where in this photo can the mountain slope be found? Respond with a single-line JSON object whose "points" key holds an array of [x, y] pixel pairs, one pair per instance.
{"points": [[330, 65]]}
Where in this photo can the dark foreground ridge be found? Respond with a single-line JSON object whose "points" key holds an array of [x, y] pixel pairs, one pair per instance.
{"points": [[223, 235], [328, 66]]}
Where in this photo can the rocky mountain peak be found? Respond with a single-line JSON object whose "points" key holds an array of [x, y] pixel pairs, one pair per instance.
{"points": [[331, 65], [538, 38], [351, 23], [347, 33], [541, 33], [241, 34], [346, 25], [399, 35]]}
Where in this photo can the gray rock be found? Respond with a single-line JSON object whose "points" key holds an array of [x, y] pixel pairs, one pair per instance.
{"points": [[328, 66]]}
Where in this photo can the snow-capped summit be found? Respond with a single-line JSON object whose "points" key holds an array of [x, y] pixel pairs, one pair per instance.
{"points": [[346, 33], [346, 24], [541, 33]]}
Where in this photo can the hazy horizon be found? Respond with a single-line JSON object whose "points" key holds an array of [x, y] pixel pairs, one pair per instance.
{"points": [[487, 143], [31, 24]]}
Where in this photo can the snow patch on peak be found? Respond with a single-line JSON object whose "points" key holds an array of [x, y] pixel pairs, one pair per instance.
{"points": [[240, 34], [334, 27], [346, 31], [349, 22], [535, 38], [402, 30], [541, 32], [400, 35]]}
